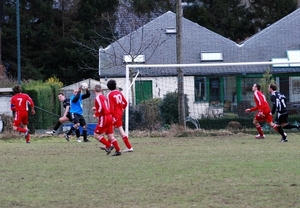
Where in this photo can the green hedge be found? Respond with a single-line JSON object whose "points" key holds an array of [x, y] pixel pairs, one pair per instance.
{"points": [[246, 122], [45, 98]]}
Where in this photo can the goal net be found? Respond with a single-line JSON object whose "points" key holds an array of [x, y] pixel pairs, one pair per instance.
{"points": [[211, 90]]}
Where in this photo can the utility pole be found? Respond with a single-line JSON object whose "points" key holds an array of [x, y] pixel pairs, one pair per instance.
{"points": [[2, 21], [181, 103], [18, 40]]}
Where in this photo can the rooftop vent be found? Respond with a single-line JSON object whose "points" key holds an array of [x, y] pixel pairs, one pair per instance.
{"points": [[171, 30]]}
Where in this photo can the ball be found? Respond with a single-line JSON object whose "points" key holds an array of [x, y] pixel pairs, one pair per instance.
{"points": [[84, 86]]}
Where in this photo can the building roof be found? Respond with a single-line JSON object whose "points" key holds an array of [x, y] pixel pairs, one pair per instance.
{"points": [[158, 47]]}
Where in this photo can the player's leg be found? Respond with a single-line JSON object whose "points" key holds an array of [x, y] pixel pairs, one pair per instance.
{"points": [[125, 140], [260, 134], [84, 129], [98, 135]]}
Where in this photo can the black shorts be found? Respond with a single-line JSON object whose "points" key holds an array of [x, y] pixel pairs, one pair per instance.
{"points": [[76, 118], [282, 118], [69, 116]]}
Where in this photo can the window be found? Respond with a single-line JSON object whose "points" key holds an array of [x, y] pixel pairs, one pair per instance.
{"points": [[294, 56], [171, 30], [200, 88], [278, 60], [211, 56]]}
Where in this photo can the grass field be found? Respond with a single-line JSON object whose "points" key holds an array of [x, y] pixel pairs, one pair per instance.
{"points": [[221, 171]]}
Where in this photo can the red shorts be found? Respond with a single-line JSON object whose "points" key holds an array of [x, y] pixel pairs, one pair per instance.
{"points": [[21, 117], [117, 122], [264, 117], [104, 125]]}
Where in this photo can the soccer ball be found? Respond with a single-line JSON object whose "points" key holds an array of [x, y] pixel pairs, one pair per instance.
{"points": [[84, 86]]}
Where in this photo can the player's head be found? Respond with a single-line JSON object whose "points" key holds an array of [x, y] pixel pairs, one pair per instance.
{"points": [[17, 89], [98, 88], [111, 84], [273, 87], [75, 91], [61, 96], [256, 87]]}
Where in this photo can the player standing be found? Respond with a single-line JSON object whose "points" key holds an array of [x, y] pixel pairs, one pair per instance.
{"points": [[19, 105], [105, 123], [77, 114], [117, 104]]}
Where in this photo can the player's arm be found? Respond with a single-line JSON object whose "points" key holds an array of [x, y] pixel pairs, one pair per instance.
{"points": [[124, 101], [273, 100], [86, 95], [12, 105], [31, 103], [66, 111]]}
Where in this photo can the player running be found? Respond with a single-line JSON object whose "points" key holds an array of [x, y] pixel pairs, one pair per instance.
{"points": [[19, 105]]}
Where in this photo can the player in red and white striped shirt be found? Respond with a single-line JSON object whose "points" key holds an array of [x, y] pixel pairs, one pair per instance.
{"points": [[19, 104], [264, 113], [117, 104], [105, 122]]}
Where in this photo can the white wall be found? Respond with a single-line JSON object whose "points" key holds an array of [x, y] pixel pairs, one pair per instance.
{"points": [[5, 105], [163, 85]]}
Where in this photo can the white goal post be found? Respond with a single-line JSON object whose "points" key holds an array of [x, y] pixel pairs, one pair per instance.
{"points": [[130, 66]]}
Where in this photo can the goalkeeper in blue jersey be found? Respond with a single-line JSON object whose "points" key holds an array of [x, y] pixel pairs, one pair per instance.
{"points": [[76, 112]]}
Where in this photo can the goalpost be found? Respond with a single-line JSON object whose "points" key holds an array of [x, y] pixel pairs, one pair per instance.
{"points": [[191, 89]]}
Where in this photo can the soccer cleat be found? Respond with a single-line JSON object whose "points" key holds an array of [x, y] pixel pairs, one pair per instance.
{"points": [[27, 137], [28, 142], [67, 137], [258, 136], [128, 150], [284, 140], [117, 154], [108, 150], [78, 139], [86, 140], [51, 132], [102, 147]]}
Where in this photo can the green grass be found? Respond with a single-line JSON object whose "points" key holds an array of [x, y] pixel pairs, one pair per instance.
{"points": [[229, 171]]}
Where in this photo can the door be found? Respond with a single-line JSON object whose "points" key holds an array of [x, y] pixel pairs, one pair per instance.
{"points": [[143, 91]]}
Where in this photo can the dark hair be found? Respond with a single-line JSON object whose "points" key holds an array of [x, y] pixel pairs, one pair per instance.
{"points": [[17, 89], [61, 93], [273, 87], [111, 84], [258, 86]]}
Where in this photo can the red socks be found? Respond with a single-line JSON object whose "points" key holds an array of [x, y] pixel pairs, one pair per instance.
{"points": [[258, 127], [126, 141]]}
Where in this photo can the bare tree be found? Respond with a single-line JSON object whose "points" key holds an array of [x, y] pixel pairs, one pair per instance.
{"points": [[128, 37]]}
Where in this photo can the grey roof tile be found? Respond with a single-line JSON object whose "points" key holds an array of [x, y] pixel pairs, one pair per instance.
{"points": [[160, 48]]}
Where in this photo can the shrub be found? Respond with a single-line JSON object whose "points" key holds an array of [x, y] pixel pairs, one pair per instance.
{"points": [[169, 108], [145, 115]]}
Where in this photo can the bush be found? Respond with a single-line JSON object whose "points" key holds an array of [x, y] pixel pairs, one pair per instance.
{"points": [[169, 108], [145, 115]]}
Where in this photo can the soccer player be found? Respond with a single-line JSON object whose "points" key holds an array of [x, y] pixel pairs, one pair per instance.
{"points": [[264, 113], [105, 123], [76, 112], [279, 106], [19, 105], [66, 116], [117, 104]]}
